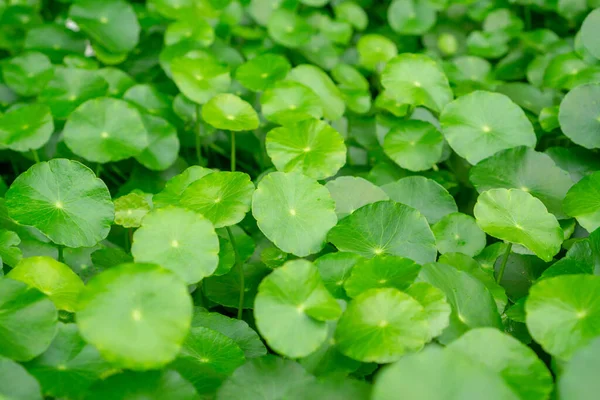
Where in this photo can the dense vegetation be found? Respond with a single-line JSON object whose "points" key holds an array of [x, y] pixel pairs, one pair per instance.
{"points": [[300, 199]]}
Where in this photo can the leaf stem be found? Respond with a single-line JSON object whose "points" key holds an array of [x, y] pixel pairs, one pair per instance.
{"points": [[197, 133], [61, 257], [35, 155], [232, 151], [98, 170], [238, 265], [504, 261]]}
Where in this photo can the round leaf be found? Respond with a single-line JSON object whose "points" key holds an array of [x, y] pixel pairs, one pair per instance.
{"points": [[200, 79], [174, 188], [381, 272], [179, 240], [26, 128], [262, 71], [583, 202], [289, 29], [385, 227], [288, 102], [436, 374], [518, 217], [69, 366], [222, 197], [410, 17], [111, 23], [311, 147], [27, 320], [435, 305], [425, 195], [375, 50], [590, 34], [130, 308], [292, 307], [229, 112], [53, 278], [351, 193], [482, 123], [579, 379], [414, 145], [163, 144], [335, 268], [27, 73], [518, 365], [17, 383], [562, 313], [294, 212], [390, 323], [130, 209], [524, 168], [320, 83], [105, 130], [417, 80], [71, 215], [265, 378], [458, 233], [196, 30]]}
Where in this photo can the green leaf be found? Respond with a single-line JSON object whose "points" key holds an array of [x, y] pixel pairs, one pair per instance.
{"points": [[222, 197], [589, 33], [351, 193], [27, 320], [425, 195], [385, 227], [380, 272], [320, 83], [518, 217], [459, 233], [410, 17], [265, 378], [26, 128], [583, 202], [130, 308], [69, 366], [578, 116], [374, 51], [294, 212], [525, 169], [150, 385], [200, 79], [436, 374], [518, 365], [27, 73], [197, 31], [335, 268], [417, 80], [174, 188], [71, 87], [163, 144], [71, 215], [437, 309], [10, 254], [105, 130], [562, 313], [179, 240], [460, 289], [262, 71], [292, 307], [245, 337], [229, 112], [130, 210], [578, 379], [391, 323], [578, 162], [287, 102], [311, 147], [207, 358], [414, 145], [288, 28], [17, 383], [111, 23], [55, 279], [482, 123]]}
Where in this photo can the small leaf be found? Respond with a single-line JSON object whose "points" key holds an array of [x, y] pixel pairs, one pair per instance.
{"points": [[130, 209], [229, 112], [381, 272]]}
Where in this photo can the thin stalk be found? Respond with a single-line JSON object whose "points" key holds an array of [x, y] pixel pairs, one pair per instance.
{"points": [[130, 236], [98, 169], [232, 151], [119, 173], [35, 155], [504, 261], [197, 133], [222, 152], [238, 265], [61, 257]]}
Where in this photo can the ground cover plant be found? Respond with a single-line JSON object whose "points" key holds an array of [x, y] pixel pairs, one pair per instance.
{"points": [[300, 199]]}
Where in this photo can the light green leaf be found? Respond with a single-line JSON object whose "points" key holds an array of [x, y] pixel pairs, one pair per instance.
{"points": [[460, 233], [380, 272], [352, 192], [583, 202], [229, 112], [414, 145]]}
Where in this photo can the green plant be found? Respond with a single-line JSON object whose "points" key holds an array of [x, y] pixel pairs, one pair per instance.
{"points": [[296, 199]]}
